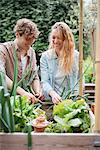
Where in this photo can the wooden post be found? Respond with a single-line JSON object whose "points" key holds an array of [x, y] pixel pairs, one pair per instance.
{"points": [[93, 47], [81, 49], [97, 100]]}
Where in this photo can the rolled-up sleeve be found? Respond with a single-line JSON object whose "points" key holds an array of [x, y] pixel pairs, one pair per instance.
{"points": [[2, 60], [34, 67], [45, 76]]}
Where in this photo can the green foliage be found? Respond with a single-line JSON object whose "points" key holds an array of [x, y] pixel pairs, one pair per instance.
{"points": [[70, 117], [45, 13], [86, 43], [60, 109], [90, 70], [25, 113], [6, 110]]}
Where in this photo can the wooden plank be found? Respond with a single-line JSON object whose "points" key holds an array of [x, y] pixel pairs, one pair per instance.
{"points": [[89, 86], [89, 91], [91, 97], [13, 141], [49, 141]]}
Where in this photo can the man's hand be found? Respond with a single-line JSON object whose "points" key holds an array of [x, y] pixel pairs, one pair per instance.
{"points": [[40, 95], [30, 96]]}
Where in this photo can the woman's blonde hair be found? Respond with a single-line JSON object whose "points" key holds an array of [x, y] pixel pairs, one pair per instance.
{"points": [[27, 27], [67, 52]]}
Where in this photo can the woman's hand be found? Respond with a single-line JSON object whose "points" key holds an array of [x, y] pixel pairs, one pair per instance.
{"points": [[55, 97]]}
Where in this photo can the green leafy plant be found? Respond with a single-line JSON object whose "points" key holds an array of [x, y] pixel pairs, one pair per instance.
{"points": [[70, 117], [6, 110], [25, 113]]}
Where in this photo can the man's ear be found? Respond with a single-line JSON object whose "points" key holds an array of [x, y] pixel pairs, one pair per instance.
{"points": [[17, 34]]}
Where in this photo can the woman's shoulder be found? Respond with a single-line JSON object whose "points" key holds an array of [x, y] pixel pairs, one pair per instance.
{"points": [[47, 54], [76, 54]]}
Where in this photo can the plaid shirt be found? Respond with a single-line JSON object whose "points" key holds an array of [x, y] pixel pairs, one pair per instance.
{"points": [[7, 62]]}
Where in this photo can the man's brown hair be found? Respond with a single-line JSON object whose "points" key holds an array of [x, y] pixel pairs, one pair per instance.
{"points": [[26, 27]]}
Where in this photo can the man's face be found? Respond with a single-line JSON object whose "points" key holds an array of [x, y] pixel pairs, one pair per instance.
{"points": [[25, 42]]}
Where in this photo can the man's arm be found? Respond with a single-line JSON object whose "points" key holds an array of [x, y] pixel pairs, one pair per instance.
{"points": [[36, 86], [20, 90]]}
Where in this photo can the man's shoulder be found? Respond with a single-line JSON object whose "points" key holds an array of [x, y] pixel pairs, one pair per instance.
{"points": [[5, 45], [32, 52]]}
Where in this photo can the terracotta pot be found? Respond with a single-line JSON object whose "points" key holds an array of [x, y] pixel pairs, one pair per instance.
{"points": [[93, 107], [39, 124], [39, 129]]}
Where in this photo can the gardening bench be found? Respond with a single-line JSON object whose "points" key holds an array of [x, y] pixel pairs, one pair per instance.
{"points": [[90, 89]]}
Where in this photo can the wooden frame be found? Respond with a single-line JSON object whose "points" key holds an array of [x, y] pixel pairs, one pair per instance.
{"points": [[49, 141], [97, 65]]}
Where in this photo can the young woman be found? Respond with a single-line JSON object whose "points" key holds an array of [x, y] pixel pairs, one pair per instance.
{"points": [[59, 64]]}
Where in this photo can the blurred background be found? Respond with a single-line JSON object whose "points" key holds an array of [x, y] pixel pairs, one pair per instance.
{"points": [[45, 13]]}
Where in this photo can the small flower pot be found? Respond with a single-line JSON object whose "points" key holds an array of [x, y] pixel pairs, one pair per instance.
{"points": [[39, 129], [93, 107], [39, 124]]}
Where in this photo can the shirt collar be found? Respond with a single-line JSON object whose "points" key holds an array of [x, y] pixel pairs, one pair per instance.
{"points": [[18, 50], [53, 54]]}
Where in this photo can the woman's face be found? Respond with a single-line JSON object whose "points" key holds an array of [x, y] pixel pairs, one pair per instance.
{"points": [[57, 39]]}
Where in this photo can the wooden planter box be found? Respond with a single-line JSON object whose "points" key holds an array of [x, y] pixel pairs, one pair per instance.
{"points": [[49, 141]]}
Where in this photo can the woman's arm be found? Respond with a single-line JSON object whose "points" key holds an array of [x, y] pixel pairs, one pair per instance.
{"points": [[45, 76], [45, 80]]}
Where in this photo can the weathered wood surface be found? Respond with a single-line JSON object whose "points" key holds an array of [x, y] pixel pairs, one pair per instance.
{"points": [[90, 89], [44, 141]]}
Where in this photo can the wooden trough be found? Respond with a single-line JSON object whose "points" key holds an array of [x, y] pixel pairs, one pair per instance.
{"points": [[49, 141]]}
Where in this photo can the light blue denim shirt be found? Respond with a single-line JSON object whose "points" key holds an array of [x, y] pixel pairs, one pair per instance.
{"points": [[52, 77]]}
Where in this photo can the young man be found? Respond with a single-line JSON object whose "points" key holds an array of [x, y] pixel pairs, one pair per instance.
{"points": [[26, 33]]}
